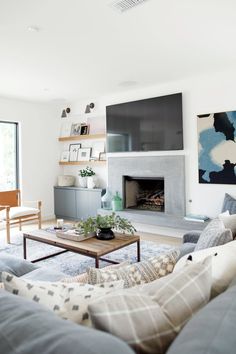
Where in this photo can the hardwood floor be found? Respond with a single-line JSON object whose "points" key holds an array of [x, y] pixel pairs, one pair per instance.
{"points": [[159, 239]]}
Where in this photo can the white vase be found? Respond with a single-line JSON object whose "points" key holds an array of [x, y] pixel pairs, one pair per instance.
{"points": [[91, 181], [83, 182]]}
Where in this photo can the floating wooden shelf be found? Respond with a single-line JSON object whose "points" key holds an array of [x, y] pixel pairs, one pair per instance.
{"points": [[82, 162], [82, 137]]}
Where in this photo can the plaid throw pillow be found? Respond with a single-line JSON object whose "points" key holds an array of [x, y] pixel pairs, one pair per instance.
{"points": [[137, 273], [150, 316]]}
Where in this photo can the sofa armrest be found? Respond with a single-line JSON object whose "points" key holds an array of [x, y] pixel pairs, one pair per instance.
{"points": [[192, 236]]}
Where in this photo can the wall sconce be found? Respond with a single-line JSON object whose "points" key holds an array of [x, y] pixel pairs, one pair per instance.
{"points": [[89, 107], [65, 112]]}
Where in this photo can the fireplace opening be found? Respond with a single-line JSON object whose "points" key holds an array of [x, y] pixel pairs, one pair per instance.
{"points": [[144, 193]]}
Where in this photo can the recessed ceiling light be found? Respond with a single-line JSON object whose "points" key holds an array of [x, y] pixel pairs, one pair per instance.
{"points": [[124, 5], [46, 89], [33, 29]]}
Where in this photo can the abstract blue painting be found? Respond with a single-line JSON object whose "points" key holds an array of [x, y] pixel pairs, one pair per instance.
{"points": [[217, 147]]}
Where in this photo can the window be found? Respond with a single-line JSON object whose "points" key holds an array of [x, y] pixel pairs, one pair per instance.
{"points": [[9, 176]]}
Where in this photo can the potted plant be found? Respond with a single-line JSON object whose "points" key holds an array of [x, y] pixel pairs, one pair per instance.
{"points": [[86, 227], [86, 177], [104, 226]]}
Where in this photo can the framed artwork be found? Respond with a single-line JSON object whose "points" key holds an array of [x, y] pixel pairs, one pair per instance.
{"points": [[65, 129], [75, 129], [98, 147], [217, 147], [74, 148], [65, 156], [102, 156], [84, 154], [84, 129]]}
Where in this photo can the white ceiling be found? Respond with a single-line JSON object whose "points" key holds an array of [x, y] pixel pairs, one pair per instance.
{"points": [[86, 49]]}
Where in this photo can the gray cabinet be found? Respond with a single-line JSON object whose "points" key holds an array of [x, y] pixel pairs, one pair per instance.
{"points": [[76, 203]]}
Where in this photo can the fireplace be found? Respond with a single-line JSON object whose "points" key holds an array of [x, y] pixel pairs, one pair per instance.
{"points": [[144, 193]]}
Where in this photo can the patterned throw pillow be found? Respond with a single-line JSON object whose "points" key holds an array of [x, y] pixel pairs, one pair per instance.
{"points": [[137, 273], [150, 316], [83, 278], [67, 301], [229, 204], [215, 234]]}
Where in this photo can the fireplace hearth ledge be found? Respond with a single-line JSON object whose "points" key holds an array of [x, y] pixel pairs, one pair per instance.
{"points": [[156, 219]]}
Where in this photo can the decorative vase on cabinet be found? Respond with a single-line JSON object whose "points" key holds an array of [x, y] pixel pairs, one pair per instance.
{"points": [[106, 200], [83, 182]]}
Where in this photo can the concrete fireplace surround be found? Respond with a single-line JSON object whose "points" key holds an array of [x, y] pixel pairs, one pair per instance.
{"points": [[172, 169]]}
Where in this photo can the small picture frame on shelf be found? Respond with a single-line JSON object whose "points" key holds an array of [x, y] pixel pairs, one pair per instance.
{"points": [[84, 154], [73, 149], [65, 156], [84, 129], [102, 156], [65, 129], [97, 148], [75, 129]]}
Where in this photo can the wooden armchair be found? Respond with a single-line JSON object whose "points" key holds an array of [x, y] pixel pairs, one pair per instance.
{"points": [[12, 212]]}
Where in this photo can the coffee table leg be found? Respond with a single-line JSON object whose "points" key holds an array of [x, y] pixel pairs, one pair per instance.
{"points": [[24, 246], [138, 251], [97, 262]]}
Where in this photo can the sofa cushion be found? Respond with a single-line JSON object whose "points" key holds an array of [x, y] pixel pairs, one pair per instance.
{"points": [[215, 234], [69, 301], [223, 265], [186, 248], [44, 274], [212, 330], [148, 317], [137, 273], [14, 265], [26, 328], [229, 222], [229, 204]]}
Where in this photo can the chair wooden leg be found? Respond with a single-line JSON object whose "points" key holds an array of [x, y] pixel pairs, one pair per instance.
{"points": [[20, 225], [8, 225], [39, 215]]}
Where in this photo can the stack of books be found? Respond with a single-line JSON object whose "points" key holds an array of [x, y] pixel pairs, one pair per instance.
{"points": [[197, 218]]}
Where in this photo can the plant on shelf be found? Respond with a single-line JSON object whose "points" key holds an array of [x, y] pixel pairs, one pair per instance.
{"points": [[84, 174], [103, 225]]}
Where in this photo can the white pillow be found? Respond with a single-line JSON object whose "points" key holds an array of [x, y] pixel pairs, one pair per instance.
{"points": [[223, 265], [69, 301], [229, 221]]}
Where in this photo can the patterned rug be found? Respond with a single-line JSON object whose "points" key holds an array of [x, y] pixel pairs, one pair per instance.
{"points": [[71, 263]]}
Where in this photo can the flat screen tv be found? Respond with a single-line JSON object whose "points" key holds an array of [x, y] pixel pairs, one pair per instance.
{"points": [[153, 124]]}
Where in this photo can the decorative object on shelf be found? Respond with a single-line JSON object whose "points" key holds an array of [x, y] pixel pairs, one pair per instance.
{"points": [[66, 181], [84, 174], [60, 223], [84, 129], [102, 156], [104, 226], [116, 202], [84, 154], [89, 107], [97, 148], [65, 156], [74, 148], [65, 129], [65, 112], [106, 200], [217, 148], [75, 129], [92, 182]]}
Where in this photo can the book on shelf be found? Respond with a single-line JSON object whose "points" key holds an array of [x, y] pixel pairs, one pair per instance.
{"points": [[195, 217]]}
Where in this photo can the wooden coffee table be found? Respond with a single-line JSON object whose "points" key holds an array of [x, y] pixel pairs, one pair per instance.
{"points": [[92, 247]]}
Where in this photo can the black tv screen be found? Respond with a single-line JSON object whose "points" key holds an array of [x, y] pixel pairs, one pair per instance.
{"points": [[153, 124]]}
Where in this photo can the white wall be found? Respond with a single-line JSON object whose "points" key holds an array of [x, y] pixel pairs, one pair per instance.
{"points": [[38, 148], [202, 94]]}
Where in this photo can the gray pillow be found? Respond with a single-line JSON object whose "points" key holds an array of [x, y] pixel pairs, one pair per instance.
{"points": [[229, 204], [26, 328], [212, 330], [186, 248], [44, 274], [215, 234], [14, 265]]}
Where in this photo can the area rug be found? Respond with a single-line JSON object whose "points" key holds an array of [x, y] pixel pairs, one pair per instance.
{"points": [[71, 263]]}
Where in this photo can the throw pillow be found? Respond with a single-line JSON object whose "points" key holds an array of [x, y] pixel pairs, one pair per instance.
{"points": [[229, 222], [67, 301], [229, 204], [137, 273], [15, 265], [150, 316], [215, 234], [223, 265], [83, 278]]}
